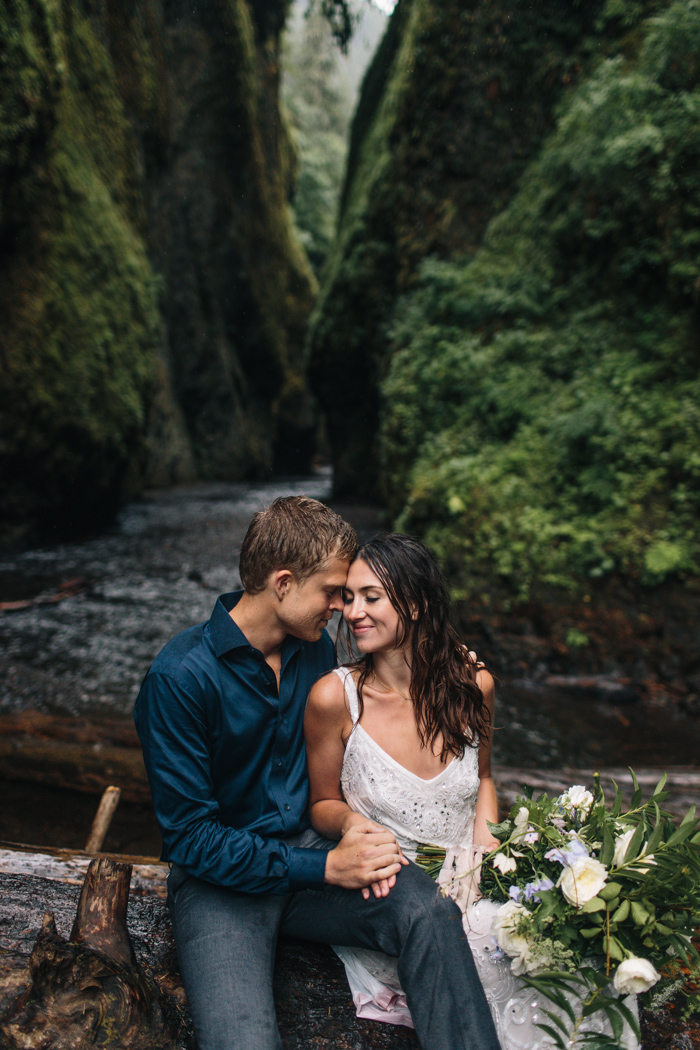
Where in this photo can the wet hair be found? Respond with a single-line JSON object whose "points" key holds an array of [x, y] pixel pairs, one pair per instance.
{"points": [[296, 533], [446, 698]]}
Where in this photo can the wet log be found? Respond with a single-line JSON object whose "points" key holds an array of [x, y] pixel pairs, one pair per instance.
{"points": [[90, 990], [80, 754], [148, 874]]}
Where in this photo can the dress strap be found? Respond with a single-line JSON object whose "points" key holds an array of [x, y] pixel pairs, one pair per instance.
{"points": [[346, 677]]}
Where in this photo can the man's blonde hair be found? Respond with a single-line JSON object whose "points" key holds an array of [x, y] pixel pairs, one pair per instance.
{"points": [[296, 533]]}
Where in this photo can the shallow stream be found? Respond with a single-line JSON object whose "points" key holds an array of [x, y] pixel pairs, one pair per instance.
{"points": [[160, 569]]}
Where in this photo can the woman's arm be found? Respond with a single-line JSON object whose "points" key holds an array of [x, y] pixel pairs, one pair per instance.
{"points": [[327, 725], [487, 802]]}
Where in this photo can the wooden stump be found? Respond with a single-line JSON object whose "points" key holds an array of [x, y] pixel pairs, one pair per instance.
{"points": [[89, 991]]}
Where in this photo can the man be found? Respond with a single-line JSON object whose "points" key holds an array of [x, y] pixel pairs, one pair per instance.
{"points": [[220, 718]]}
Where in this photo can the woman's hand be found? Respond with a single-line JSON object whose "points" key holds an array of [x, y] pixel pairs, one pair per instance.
{"points": [[488, 846], [364, 824]]}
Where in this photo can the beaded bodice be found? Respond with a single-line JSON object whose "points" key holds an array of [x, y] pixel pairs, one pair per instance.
{"points": [[439, 811]]}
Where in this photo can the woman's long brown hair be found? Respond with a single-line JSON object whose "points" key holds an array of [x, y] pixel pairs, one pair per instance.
{"points": [[446, 698]]}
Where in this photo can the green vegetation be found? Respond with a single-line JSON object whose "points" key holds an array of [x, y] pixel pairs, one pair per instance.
{"points": [[541, 413], [77, 346], [456, 103], [320, 118]]}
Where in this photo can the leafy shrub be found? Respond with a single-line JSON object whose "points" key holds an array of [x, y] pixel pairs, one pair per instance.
{"points": [[541, 416]]}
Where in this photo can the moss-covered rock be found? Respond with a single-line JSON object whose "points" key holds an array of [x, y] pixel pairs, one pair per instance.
{"points": [[456, 102], [80, 318], [154, 298]]}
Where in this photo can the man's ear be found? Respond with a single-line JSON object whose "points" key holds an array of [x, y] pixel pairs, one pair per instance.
{"points": [[281, 580]]}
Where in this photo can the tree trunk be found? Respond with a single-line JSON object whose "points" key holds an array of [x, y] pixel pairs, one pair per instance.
{"points": [[89, 991]]}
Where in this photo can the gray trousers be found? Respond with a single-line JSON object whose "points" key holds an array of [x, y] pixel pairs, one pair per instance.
{"points": [[226, 945]]}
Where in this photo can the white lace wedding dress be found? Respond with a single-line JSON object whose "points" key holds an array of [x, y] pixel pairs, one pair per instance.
{"points": [[440, 812]]}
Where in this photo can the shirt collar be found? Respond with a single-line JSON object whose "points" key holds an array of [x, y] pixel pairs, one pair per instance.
{"points": [[225, 632], [227, 635]]}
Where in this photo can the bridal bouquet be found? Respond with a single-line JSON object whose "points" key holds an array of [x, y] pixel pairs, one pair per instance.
{"points": [[596, 902]]}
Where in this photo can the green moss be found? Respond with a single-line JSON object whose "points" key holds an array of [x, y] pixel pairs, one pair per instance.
{"points": [[78, 350], [541, 414]]}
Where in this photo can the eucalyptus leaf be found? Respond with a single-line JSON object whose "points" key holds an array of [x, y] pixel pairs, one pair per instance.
{"points": [[635, 843]]}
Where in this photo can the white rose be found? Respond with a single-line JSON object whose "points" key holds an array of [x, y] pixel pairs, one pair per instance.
{"points": [[634, 976], [503, 928], [583, 880], [621, 844], [504, 863], [579, 798]]}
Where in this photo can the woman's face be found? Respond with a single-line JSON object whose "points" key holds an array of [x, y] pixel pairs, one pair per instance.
{"points": [[368, 612]]}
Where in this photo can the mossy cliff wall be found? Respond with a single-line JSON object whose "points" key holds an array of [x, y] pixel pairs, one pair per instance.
{"points": [[455, 103], [153, 298], [524, 345]]}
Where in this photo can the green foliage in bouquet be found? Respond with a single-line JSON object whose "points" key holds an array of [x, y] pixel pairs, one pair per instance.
{"points": [[597, 903]]}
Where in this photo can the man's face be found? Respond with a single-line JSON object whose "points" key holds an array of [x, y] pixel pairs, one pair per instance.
{"points": [[307, 607]]}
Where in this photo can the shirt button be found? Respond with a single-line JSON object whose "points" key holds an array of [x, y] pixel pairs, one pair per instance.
{"points": [[279, 763], [287, 806]]}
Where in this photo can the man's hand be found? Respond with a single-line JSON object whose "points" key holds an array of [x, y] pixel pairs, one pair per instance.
{"points": [[367, 856]]}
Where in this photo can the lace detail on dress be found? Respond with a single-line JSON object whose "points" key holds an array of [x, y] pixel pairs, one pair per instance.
{"points": [[439, 811]]}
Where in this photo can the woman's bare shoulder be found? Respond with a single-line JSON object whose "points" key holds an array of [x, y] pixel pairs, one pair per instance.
{"points": [[484, 679], [328, 694]]}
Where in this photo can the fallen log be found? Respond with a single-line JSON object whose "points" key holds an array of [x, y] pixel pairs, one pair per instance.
{"points": [[314, 1007], [80, 754], [148, 874], [78, 767], [106, 731]]}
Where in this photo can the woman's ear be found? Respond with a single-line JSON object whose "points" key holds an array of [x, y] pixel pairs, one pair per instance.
{"points": [[414, 611]]}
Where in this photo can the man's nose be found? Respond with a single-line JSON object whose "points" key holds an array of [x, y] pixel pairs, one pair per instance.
{"points": [[354, 611], [336, 603]]}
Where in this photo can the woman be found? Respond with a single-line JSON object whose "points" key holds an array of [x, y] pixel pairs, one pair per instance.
{"points": [[402, 738]]}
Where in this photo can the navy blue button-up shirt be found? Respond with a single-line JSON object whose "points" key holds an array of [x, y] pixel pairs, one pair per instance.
{"points": [[225, 755]]}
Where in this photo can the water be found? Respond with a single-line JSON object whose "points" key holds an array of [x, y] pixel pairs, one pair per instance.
{"points": [[160, 570]]}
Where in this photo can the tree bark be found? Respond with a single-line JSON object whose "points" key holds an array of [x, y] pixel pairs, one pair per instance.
{"points": [[90, 990]]}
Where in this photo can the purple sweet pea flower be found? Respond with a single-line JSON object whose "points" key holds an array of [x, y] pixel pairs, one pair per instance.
{"points": [[515, 893], [566, 857], [532, 890]]}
